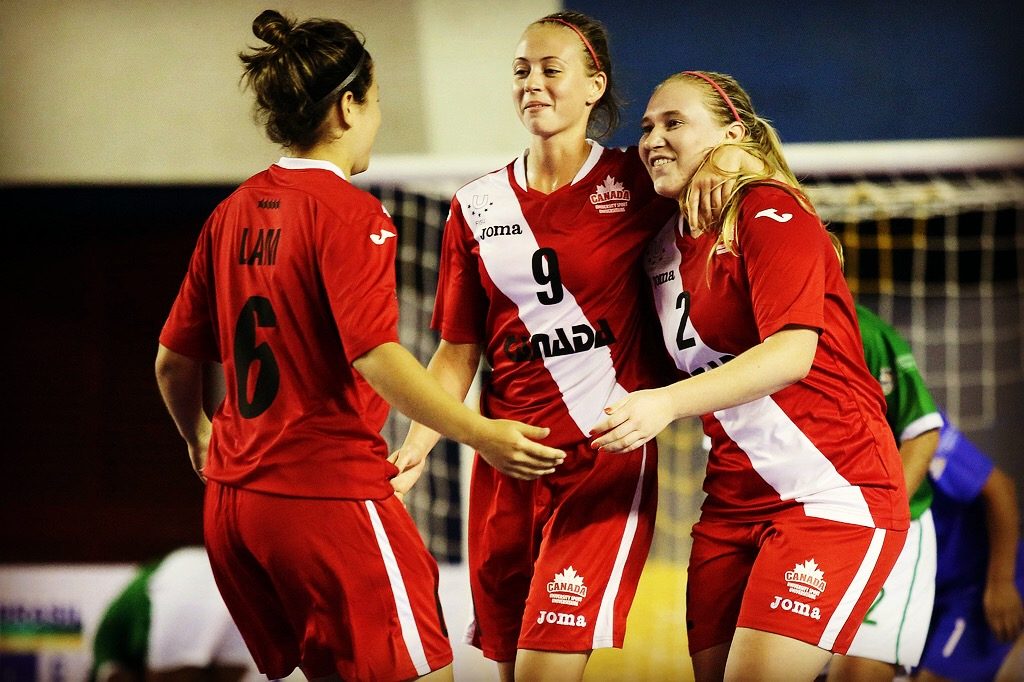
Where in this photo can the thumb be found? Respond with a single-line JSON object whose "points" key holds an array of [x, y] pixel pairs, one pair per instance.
{"points": [[614, 407], [534, 432]]}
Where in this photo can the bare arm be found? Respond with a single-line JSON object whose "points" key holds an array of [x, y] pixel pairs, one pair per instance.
{"points": [[180, 380], [1002, 601], [780, 360], [917, 453], [454, 366], [401, 380]]}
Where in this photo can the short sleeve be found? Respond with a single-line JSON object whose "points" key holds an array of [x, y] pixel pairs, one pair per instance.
{"points": [[959, 469], [460, 308], [357, 264], [190, 326], [784, 247]]}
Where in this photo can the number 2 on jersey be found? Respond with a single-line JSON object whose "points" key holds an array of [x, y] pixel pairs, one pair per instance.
{"points": [[257, 312], [683, 303]]}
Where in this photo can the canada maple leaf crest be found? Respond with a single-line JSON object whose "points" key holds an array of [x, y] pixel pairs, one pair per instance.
{"points": [[569, 577], [610, 184], [809, 569]]}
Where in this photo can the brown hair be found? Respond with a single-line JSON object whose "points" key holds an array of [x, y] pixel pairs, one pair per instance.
{"points": [[607, 111], [295, 77]]}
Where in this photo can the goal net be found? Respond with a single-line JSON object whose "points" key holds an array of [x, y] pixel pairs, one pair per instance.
{"points": [[934, 239]]}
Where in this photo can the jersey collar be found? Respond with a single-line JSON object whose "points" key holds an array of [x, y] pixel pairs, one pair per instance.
{"points": [[295, 163], [519, 165]]}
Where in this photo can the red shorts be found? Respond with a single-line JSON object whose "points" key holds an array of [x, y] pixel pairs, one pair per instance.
{"points": [[554, 563], [809, 579], [329, 586]]}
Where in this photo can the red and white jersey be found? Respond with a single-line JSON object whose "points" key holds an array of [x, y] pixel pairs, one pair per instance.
{"points": [[551, 286], [293, 277], [821, 446]]}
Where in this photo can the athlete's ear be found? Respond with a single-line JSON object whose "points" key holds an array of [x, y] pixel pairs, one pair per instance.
{"points": [[598, 84], [735, 132], [348, 109]]}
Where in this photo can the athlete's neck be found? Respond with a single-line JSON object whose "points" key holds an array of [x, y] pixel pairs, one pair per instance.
{"points": [[552, 162]]}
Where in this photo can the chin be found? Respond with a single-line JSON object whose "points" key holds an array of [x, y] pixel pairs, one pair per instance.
{"points": [[669, 188]]}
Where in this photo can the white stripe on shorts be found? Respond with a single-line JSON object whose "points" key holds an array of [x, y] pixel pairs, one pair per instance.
{"points": [[411, 635], [604, 629], [853, 594]]}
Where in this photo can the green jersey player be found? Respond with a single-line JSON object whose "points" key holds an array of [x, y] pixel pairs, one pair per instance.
{"points": [[892, 635]]}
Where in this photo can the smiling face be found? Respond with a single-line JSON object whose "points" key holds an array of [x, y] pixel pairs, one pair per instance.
{"points": [[550, 85], [678, 131]]}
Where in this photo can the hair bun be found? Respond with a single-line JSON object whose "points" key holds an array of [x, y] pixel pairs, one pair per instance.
{"points": [[271, 27]]}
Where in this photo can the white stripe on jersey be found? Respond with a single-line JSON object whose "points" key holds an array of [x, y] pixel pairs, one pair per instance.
{"points": [[777, 449], [663, 257], [586, 380], [410, 633], [856, 589], [790, 463], [603, 631]]}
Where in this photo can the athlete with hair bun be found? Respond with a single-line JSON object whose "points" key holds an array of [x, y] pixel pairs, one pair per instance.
{"points": [[292, 287], [806, 508]]}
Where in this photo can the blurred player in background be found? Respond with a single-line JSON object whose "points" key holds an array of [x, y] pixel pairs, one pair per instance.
{"points": [[891, 638], [977, 624], [169, 624], [806, 509], [292, 287]]}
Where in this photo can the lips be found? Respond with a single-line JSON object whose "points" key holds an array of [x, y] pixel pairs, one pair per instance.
{"points": [[658, 161], [534, 106]]}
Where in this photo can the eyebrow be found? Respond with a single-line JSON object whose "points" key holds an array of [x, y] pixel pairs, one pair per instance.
{"points": [[525, 59], [663, 114]]}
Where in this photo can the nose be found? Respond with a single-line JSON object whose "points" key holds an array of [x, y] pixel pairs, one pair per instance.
{"points": [[532, 81], [652, 140]]}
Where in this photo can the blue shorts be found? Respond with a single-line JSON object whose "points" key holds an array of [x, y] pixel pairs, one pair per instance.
{"points": [[961, 646]]}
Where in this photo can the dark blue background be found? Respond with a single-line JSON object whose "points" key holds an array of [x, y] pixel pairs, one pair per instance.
{"points": [[833, 71]]}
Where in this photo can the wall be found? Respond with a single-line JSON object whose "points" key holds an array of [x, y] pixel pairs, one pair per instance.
{"points": [[827, 71], [148, 91]]}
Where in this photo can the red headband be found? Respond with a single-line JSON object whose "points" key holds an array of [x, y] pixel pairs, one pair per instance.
{"points": [[721, 92], [590, 48]]}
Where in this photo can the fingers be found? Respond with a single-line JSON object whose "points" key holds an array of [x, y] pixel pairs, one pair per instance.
{"points": [[1006, 626], [621, 438], [616, 406], [526, 474], [693, 211], [707, 210], [627, 443], [727, 188], [534, 432], [544, 453]]}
